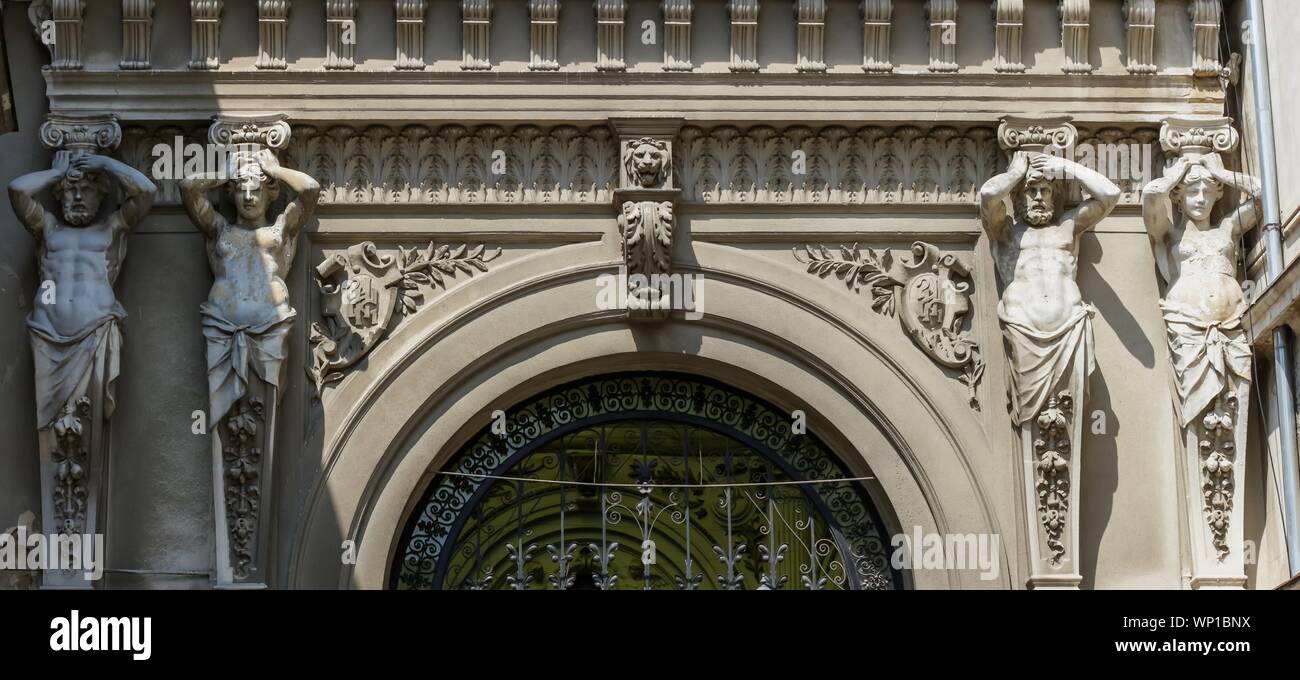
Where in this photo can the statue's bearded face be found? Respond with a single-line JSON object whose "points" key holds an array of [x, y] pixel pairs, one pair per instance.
{"points": [[252, 192], [80, 198], [1197, 194], [646, 164], [1038, 200]]}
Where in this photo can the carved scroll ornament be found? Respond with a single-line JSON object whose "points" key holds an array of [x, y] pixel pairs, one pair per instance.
{"points": [[365, 292], [929, 292]]}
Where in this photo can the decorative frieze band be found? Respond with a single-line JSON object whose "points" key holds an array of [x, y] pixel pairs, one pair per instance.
{"points": [[340, 35], [811, 18], [205, 34], [744, 35], [839, 164], [1140, 21], [1010, 18], [457, 164], [719, 165], [677, 35], [544, 20], [410, 34], [609, 35], [877, 17], [272, 31], [137, 34], [476, 18]]}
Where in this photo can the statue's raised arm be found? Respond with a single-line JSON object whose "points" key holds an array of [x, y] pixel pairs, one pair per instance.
{"points": [[996, 194], [24, 193], [1103, 194], [305, 188]]}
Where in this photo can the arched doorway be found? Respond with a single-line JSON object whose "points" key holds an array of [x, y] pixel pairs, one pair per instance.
{"points": [[644, 480]]}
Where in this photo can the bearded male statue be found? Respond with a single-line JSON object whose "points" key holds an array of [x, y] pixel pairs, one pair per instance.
{"points": [[1047, 329], [76, 319]]}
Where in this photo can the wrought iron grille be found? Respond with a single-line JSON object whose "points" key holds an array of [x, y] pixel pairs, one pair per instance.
{"points": [[644, 481]]}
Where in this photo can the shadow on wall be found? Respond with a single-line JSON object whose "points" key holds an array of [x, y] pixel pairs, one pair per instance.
{"points": [[23, 153]]}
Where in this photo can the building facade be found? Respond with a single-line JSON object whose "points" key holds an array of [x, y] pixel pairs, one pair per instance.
{"points": [[637, 293]]}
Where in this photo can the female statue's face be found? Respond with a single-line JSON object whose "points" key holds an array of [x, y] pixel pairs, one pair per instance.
{"points": [[251, 197], [1198, 194]]}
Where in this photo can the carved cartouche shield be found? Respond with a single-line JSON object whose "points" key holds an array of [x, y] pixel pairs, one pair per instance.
{"points": [[359, 293]]}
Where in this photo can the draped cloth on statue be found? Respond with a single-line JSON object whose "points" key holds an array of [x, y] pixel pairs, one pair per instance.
{"points": [[233, 348], [65, 364], [1209, 358], [1040, 360]]}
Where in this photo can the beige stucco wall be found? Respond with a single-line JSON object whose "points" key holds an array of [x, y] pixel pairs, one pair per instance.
{"points": [[350, 465]]}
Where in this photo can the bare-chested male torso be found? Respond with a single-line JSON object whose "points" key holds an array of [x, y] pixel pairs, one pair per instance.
{"points": [[79, 251], [78, 267], [1039, 265], [1035, 246]]}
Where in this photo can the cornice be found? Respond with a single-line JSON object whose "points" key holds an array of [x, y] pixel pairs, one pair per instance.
{"points": [[552, 98]]}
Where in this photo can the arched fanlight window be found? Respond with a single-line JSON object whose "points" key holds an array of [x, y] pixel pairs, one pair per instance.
{"points": [[636, 481]]}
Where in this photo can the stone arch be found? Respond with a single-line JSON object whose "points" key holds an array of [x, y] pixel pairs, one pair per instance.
{"points": [[767, 329]]}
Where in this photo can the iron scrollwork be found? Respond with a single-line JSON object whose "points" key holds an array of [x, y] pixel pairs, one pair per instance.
{"points": [[646, 487]]}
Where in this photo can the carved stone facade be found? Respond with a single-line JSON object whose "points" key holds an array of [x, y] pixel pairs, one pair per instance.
{"points": [[646, 200], [1140, 21], [476, 17], [927, 290], [609, 35], [246, 322], [811, 15], [964, 250], [1046, 324], [744, 34]]}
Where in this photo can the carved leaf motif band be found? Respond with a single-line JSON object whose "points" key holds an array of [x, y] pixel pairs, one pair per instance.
{"points": [[724, 164]]}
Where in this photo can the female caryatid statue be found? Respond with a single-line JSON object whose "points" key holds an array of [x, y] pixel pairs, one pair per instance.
{"points": [[1195, 249], [246, 323]]}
